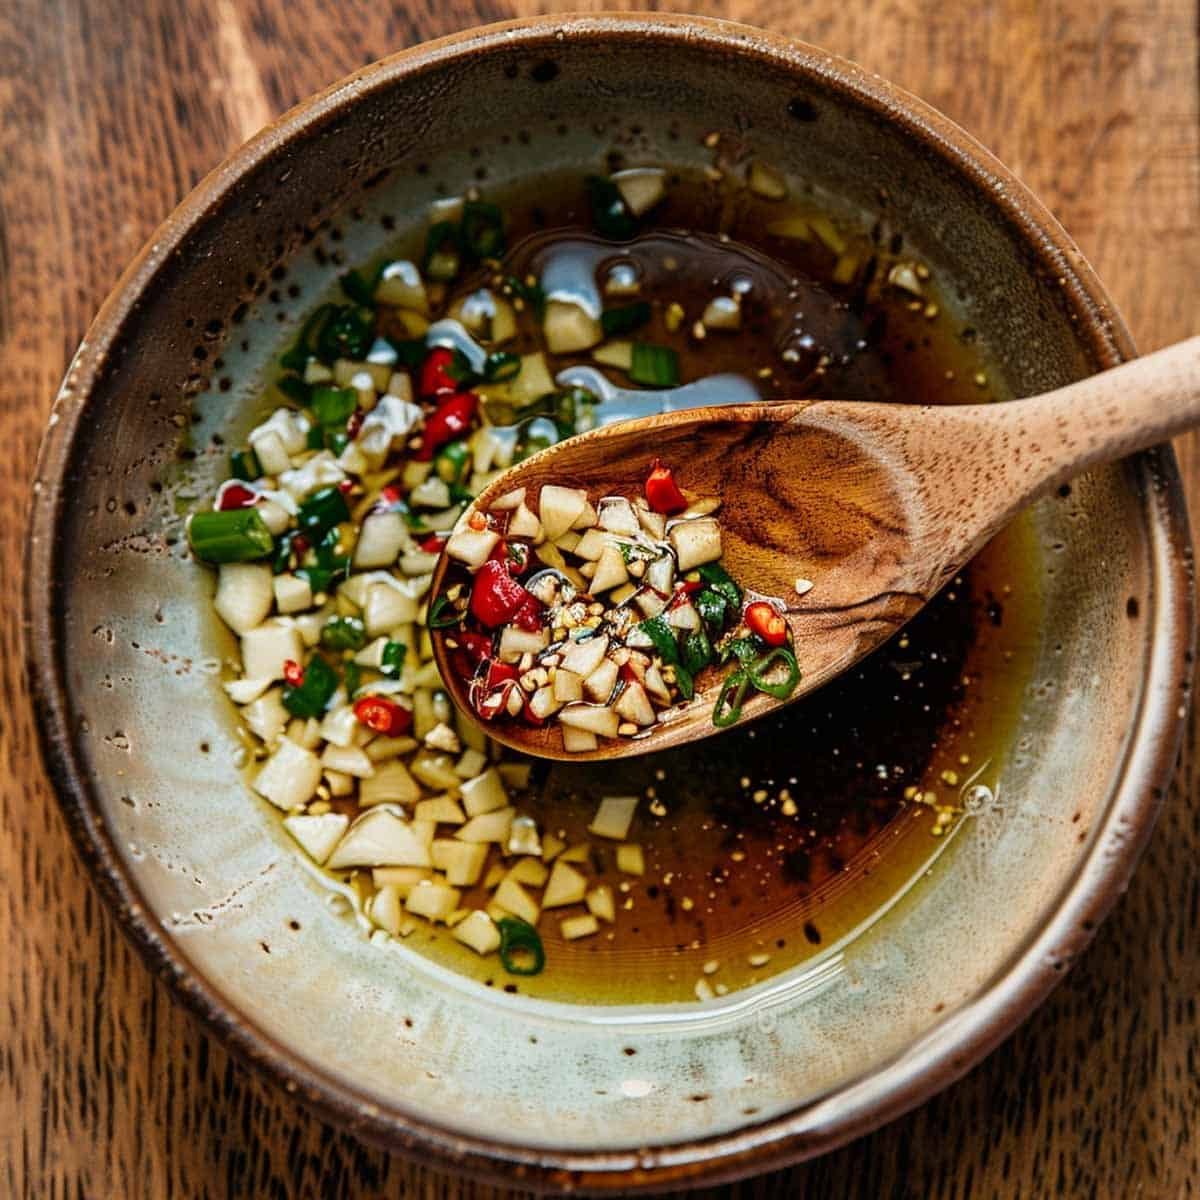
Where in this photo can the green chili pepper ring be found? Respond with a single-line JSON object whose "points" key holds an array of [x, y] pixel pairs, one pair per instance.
{"points": [[520, 937]]}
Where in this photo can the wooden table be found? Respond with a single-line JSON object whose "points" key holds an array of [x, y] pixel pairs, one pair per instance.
{"points": [[109, 113]]}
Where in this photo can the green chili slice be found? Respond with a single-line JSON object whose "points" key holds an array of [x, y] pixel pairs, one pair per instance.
{"points": [[324, 509], [521, 950], [654, 366], [610, 215], [314, 439], [343, 633], [745, 650], [452, 461], [296, 359], [243, 465], [311, 698], [392, 661], [783, 688], [728, 708], [627, 318], [684, 681], [443, 253], [410, 352], [501, 366], [361, 287], [294, 388], [482, 230], [346, 334], [333, 405], [443, 614], [236, 535]]}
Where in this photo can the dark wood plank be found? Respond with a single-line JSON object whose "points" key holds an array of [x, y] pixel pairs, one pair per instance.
{"points": [[109, 112]]}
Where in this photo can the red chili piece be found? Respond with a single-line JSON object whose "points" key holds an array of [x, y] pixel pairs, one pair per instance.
{"points": [[765, 622], [235, 495], [383, 715], [346, 486], [529, 615], [293, 673], [434, 542], [477, 646], [451, 420], [496, 595], [498, 673], [436, 380], [663, 492], [514, 555]]}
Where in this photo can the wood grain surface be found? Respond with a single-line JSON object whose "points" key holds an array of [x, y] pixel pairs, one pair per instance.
{"points": [[109, 111]]}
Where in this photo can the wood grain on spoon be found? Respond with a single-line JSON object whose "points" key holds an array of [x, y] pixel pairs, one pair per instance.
{"points": [[877, 504]]}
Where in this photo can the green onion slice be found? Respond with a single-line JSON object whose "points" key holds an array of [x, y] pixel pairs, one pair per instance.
{"points": [[654, 366], [728, 708], [236, 535], [781, 689], [392, 660], [346, 334], [521, 950]]}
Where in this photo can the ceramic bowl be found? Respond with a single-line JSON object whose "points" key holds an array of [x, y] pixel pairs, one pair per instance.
{"points": [[200, 875]]}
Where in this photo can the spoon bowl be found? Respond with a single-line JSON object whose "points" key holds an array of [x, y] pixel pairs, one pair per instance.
{"points": [[848, 516]]}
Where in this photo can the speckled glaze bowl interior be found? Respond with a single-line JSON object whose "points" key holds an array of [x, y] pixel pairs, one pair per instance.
{"points": [[203, 879]]}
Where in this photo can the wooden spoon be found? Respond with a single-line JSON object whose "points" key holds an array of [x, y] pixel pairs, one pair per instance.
{"points": [[878, 505]]}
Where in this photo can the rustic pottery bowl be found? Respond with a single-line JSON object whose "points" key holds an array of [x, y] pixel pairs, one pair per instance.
{"points": [[123, 666]]}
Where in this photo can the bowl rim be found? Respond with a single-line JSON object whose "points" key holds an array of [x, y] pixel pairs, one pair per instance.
{"points": [[939, 1057]]}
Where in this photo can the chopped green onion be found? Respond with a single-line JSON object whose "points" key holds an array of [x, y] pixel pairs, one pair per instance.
{"points": [[780, 689], [314, 439], [236, 535], [501, 365], [333, 406], [296, 359], [392, 661], [616, 321], [311, 697], [344, 633], [482, 230], [243, 465], [610, 215], [328, 557], [718, 578], [347, 334], [712, 607], [439, 617], [655, 366], [697, 651], [323, 510], [361, 288], [521, 950], [443, 255], [663, 637], [728, 708]]}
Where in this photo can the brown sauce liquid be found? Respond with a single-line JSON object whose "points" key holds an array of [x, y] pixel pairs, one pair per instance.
{"points": [[780, 838]]}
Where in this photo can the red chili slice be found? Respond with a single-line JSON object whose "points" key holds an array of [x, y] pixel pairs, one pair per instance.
{"points": [[496, 595], [235, 495], [491, 705], [293, 673], [662, 492], [434, 542], [383, 715], [514, 555], [435, 379], [765, 622], [529, 616], [450, 420]]}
